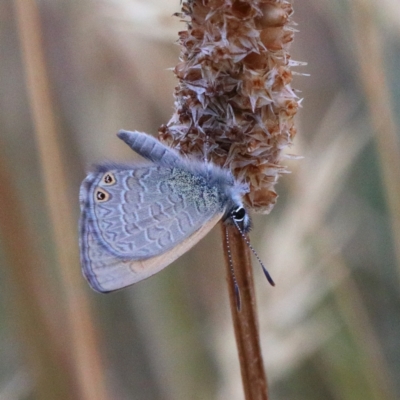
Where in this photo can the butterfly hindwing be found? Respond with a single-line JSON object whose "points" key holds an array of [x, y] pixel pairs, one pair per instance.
{"points": [[142, 212], [133, 219]]}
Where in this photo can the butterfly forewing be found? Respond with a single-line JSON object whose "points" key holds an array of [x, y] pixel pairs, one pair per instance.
{"points": [[133, 219], [106, 272]]}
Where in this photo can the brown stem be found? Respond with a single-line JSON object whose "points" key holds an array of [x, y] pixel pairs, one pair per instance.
{"points": [[245, 321], [83, 344], [32, 293], [370, 50]]}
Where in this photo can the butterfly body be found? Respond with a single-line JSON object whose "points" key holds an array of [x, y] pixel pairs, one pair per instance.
{"points": [[137, 219]]}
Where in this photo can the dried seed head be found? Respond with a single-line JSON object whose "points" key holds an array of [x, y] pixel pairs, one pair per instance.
{"points": [[234, 104]]}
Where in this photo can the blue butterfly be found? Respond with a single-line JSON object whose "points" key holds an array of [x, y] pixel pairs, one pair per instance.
{"points": [[137, 219]]}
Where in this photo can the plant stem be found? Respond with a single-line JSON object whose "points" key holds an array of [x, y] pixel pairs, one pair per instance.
{"points": [[244, 321], [369, 45], [83, 341], [31, 292]]}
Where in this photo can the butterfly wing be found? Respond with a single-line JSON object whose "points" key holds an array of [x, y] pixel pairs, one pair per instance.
{"points": [[106, 272], [136, 221]]}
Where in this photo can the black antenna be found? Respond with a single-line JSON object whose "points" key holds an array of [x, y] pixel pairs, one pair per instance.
{"points": [[266, 273], [206, 149], [235, 285]]}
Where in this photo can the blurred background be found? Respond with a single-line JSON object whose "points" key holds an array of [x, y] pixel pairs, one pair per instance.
{"points": [[329, 329]]}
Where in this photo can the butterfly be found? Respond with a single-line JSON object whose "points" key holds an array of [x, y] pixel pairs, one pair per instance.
{"points": [[137, 219]]}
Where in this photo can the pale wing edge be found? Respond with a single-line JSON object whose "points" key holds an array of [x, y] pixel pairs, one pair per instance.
{"points": [[142, 269]]}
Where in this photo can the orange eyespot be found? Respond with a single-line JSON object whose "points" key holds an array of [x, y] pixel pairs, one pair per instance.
{"points": [[101, 195], [109, 179]]}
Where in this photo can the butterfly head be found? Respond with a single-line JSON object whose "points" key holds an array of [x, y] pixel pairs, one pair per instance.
{"points": [[237, 215], [235, 211]]}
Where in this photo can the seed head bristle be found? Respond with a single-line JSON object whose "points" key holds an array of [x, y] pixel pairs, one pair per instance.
{"points": [[234, 104]]}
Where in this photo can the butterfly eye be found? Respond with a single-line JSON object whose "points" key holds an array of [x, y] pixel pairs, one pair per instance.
{"points": [[109, 179], [239, 214], [101, 195]]}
